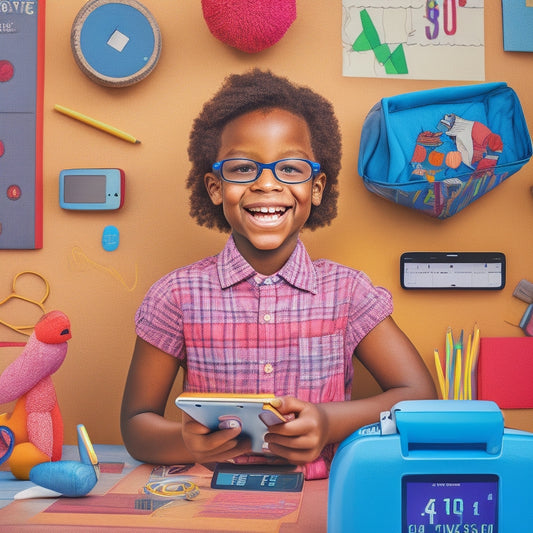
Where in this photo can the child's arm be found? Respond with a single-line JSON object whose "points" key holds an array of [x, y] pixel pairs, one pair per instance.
{"points": [[150, 437], [397, 367]]}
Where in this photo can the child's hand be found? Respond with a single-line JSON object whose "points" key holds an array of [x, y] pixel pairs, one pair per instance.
{"points": [[301, 439], [212, 446]]}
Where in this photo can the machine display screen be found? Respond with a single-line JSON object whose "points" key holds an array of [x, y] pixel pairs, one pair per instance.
{"points": [[465, 503], [85, 189], [458, 270]]}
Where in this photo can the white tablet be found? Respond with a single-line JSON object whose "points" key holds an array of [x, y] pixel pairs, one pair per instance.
{"points": [[254, 413]]}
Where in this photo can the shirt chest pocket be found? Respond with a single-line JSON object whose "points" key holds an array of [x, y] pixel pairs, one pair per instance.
{"points": [[320, 359]]}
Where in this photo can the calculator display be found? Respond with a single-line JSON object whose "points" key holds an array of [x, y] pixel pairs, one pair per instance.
{"points": [[256, 477], [441, 503]]}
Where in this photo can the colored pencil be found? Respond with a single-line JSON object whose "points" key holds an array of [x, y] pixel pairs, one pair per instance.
{"points": [[440, 376], [96, 124]]}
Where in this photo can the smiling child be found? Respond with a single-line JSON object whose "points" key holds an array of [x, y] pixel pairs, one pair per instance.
{"points": [[261, 316]]}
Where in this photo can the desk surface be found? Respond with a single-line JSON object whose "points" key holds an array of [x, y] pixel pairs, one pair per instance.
{"points": [[118, 501]]}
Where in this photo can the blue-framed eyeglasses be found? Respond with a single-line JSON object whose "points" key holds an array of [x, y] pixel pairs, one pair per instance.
{"points": [[290, 171]]}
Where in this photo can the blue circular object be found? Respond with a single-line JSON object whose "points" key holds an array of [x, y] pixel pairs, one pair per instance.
{"points": [[115, 42]]}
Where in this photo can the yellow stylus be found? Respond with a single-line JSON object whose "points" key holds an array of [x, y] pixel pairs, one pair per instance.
{"points": [[96, 124]]}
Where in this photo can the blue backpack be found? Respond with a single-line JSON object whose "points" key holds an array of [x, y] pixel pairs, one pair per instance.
{"points": [[439, 150]]}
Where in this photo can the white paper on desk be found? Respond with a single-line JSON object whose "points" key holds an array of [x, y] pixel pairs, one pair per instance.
{"points": [[36, 492]]}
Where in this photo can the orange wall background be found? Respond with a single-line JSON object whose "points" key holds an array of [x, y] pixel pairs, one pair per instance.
{"points": [[98, 290]]}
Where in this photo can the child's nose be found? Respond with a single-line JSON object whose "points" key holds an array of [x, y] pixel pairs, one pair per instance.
{"points": [[267, 180]]}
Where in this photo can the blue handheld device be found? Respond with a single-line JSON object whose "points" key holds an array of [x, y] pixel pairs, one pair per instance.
{"points": [[434, 466], [91, 189]]}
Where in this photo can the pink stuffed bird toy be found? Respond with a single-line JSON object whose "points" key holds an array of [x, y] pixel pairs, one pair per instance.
{"points": [[36, 420]]}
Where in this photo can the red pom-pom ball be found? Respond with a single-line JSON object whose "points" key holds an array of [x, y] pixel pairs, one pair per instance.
{"points": [[250, 26], [6, 70]]}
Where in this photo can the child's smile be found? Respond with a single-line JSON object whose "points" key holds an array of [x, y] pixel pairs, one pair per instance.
{"points": [[266, 215], [267, 212]]}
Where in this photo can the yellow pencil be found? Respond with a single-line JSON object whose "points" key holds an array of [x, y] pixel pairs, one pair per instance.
{"points": [[468, 369], [457, 377], [473, 364], [466, 363], [449, 377], [96, 124], [440, 376]]}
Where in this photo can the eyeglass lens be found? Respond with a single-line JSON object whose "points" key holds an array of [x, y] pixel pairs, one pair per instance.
{"points": [[286, 170]]}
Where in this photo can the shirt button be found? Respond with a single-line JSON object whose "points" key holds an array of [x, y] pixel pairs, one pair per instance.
{"points": [[268, 368], [267, 317]]}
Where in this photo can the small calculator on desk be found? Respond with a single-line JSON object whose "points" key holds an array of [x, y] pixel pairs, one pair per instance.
{"points": [[279, 478]]}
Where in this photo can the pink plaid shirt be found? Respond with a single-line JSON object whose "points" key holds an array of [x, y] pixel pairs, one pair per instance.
{"points": [[293, 333]]}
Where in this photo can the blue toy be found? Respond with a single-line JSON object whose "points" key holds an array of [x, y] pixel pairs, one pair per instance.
{"points": [[439, 466], [65, 478]]}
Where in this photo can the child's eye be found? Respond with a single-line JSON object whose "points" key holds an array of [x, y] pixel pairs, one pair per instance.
{"points": [[288, 169], [245, 169], [293, 168], [240, 168]]}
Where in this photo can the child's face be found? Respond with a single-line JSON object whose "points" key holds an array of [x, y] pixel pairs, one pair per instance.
{"points": [[266, 136]]}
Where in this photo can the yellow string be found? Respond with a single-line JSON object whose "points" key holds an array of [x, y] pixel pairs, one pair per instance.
{"points": [[79, 257], [14, 295]]}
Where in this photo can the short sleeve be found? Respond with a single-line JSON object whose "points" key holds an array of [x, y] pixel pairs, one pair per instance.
{"points": [[159, 319], [370, 306]]}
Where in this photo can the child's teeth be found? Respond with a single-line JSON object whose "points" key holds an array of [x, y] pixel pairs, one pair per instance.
{"points": [[268, 210]]}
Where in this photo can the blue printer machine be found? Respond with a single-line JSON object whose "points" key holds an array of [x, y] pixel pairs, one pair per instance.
{"points": [[436, 466]]}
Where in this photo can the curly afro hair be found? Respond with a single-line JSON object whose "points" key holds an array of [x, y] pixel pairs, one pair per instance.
{"points": [[240, 94]]}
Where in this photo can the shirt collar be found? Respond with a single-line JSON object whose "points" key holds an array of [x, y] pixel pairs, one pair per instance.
{"points": [[299, 270], [231, 265]]}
